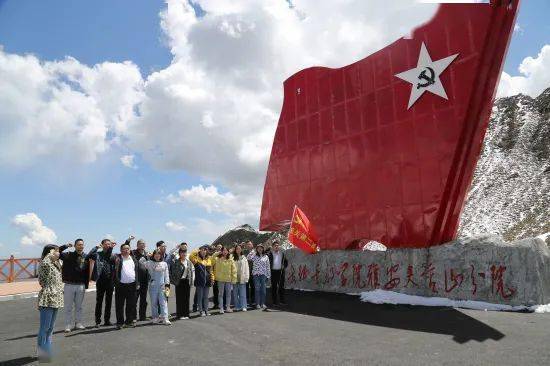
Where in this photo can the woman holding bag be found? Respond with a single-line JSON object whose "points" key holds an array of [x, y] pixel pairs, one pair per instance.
{"points": [[159, 287]]}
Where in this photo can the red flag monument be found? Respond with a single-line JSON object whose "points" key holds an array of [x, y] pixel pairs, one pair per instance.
{"points": [[385, 149]]}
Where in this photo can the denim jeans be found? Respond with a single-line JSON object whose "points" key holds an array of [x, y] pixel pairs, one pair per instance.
{"points": [[202, 298], [47, 322], [73, 295], [260, 289], [239, 294], [158, 300], [224, 288]]}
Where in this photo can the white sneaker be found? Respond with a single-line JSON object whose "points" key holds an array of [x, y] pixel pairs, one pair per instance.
{"points": [[68, 330], [258, 307], [244, 309], [154, 320], [79, 326], [185, 317], [229, 310], [264, 307], [202, 313], [221, 311], [166, 322], [208, 314]]}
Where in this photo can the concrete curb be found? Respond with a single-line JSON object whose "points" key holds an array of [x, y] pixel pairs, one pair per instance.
{"points": [[28, 295]]}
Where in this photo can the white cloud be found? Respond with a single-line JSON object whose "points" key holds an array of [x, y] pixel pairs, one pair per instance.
{"points": [[175, 226], [34, 231], [207, 197], [62, 109], [518, 28], [128, 161], [214, 110], [534, 79], [240, 208]]}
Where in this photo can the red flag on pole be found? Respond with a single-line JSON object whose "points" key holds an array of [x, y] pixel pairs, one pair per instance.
{"points": [[301, 233]]}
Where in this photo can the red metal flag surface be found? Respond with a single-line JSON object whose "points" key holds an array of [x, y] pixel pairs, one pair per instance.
{"points": [[301, 233], [385, 149]]}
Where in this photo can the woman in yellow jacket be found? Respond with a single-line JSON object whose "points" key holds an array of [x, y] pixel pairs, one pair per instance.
{"points": [[226, 275], [204, 278]]}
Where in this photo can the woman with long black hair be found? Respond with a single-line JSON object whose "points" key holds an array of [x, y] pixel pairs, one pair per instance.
{"points": [[261, 272], [50, 298], [204, 277], [182, 274], [226, 275], [243, 275]]}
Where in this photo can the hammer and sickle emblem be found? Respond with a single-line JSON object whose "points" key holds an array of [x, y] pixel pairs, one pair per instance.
{"points": [[429, 80]]}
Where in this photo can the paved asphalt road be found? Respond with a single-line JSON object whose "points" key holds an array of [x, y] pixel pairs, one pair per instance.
{"points": [[315, 329]]}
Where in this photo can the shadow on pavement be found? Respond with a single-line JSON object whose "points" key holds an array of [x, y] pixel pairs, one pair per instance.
{"points": [[439, 320], [19, 361], [92, 331], [29, 336]]}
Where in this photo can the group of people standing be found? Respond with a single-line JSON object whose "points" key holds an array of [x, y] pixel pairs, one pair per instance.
{"points": [[238, 277]]}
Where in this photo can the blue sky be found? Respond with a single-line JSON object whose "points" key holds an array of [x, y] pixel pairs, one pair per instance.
{"points": [[105, 197], [105, 193]]}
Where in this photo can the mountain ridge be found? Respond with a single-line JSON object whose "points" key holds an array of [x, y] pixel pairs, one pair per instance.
{"points": [[510, 191]]}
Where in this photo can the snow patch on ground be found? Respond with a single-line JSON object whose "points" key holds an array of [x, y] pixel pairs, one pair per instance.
{"points": [[541, 308], [390, 297]]}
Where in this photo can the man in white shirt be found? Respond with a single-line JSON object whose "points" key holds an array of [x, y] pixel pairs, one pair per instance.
{"points": [[126, 286], [278, 264]]}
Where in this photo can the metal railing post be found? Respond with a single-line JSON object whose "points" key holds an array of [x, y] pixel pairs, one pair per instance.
{"points": [[11, 272]]}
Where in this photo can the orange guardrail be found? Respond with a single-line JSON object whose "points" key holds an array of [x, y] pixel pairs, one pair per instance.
{"points": [[13, 269]]}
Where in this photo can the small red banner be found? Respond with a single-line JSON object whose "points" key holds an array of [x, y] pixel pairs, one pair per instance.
{"points": [[301, 233]]}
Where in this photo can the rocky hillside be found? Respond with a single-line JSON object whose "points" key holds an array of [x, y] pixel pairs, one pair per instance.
{"points": [[510, 194], [246, 232]]}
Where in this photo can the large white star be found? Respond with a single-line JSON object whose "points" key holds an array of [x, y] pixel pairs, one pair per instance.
{"points": [[425, 76]]}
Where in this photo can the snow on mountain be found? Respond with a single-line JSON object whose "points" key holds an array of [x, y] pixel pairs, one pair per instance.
{"points": [[510, 193]]}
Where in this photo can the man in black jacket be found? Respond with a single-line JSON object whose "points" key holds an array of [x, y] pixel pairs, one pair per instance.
{"points": [[101, 271], [143, 276], [126, 278], [278, 263], [75, 278]]}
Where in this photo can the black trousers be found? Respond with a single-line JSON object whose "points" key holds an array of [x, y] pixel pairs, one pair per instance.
{"points": [[216, 291], [250, 291], [142, 296], [277, 286], [104, 289], [195, 301], [183, 291], [125, 302]]}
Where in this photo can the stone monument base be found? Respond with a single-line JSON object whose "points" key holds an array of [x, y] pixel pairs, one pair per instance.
{"points": [[481, 269]]}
